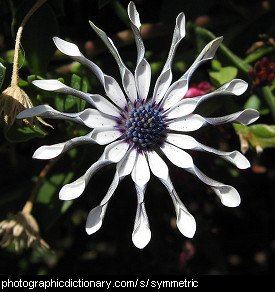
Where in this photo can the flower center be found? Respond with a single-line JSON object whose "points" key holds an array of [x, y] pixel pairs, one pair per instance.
{"points": [[144, 127]]}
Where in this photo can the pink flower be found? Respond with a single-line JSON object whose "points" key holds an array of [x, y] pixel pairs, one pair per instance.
{"points": [[199, 89]]}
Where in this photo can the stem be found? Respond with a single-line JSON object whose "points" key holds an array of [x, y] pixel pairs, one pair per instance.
{"points": [[270, 99], [15, 70], [29, 204]]}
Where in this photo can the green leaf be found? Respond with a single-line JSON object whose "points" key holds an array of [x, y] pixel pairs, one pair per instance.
{"points": [[269, 98], [51, 187], [73, 103], [260, 136], [22, 134], [2, 74], [225, 74], [253, 102]]}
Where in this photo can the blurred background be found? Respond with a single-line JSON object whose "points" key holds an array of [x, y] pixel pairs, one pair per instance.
{"points": [[232, 241]]}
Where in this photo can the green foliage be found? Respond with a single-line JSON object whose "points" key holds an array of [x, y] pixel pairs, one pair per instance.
{"points": [[2, 74], [221, 75], [260, 136]]}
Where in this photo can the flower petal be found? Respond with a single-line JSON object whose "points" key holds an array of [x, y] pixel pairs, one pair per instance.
{"points": [[174, 93], [57, 86], [141, 172], [244, 117], [67, 48], [234, 87], [229, 195], [89, 117], [179, 88], [95, 219], [143, 69], [143, 78], [114, 91], [185, 221], [51, 151], [182, 108], [72, 50], [128, 80], [96, 215], [75, 189], [165, 78], [115, 151], [141, 234], [177, 156], [126, 164], [103, 105], [187, 123], [188, 142], [157, 165], [40, 110], [206, 54], [93, 118], [110, 85], [105, 135]]}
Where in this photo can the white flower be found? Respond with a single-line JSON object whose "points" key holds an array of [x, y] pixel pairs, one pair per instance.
{"points": [[138, 130]]}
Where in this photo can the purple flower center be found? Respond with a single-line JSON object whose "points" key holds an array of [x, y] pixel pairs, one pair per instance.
{"points": [[143, 126]]}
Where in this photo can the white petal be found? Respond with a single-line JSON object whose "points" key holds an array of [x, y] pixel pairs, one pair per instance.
{"points": [[37, 111], [182, 108], [141, 171], [162, 84], [114, 91], [133, 14], [143, 78], [235, 87], [49, 151], [177, 156], [157, 165], [125, 166], [186, 223], [75, 189], [93, 118], [96, 215], [244, 117], [57, 86], [182, 141], [50, 84], [206, 54], [103, 105], [67, 48], [175, 93], [228, 195], [128, 80], [165, 78], [141, 235], [143, 69], [129, 84], [105, 135], [95, 219], [115, 151], [188, 142], [188, 123]]}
